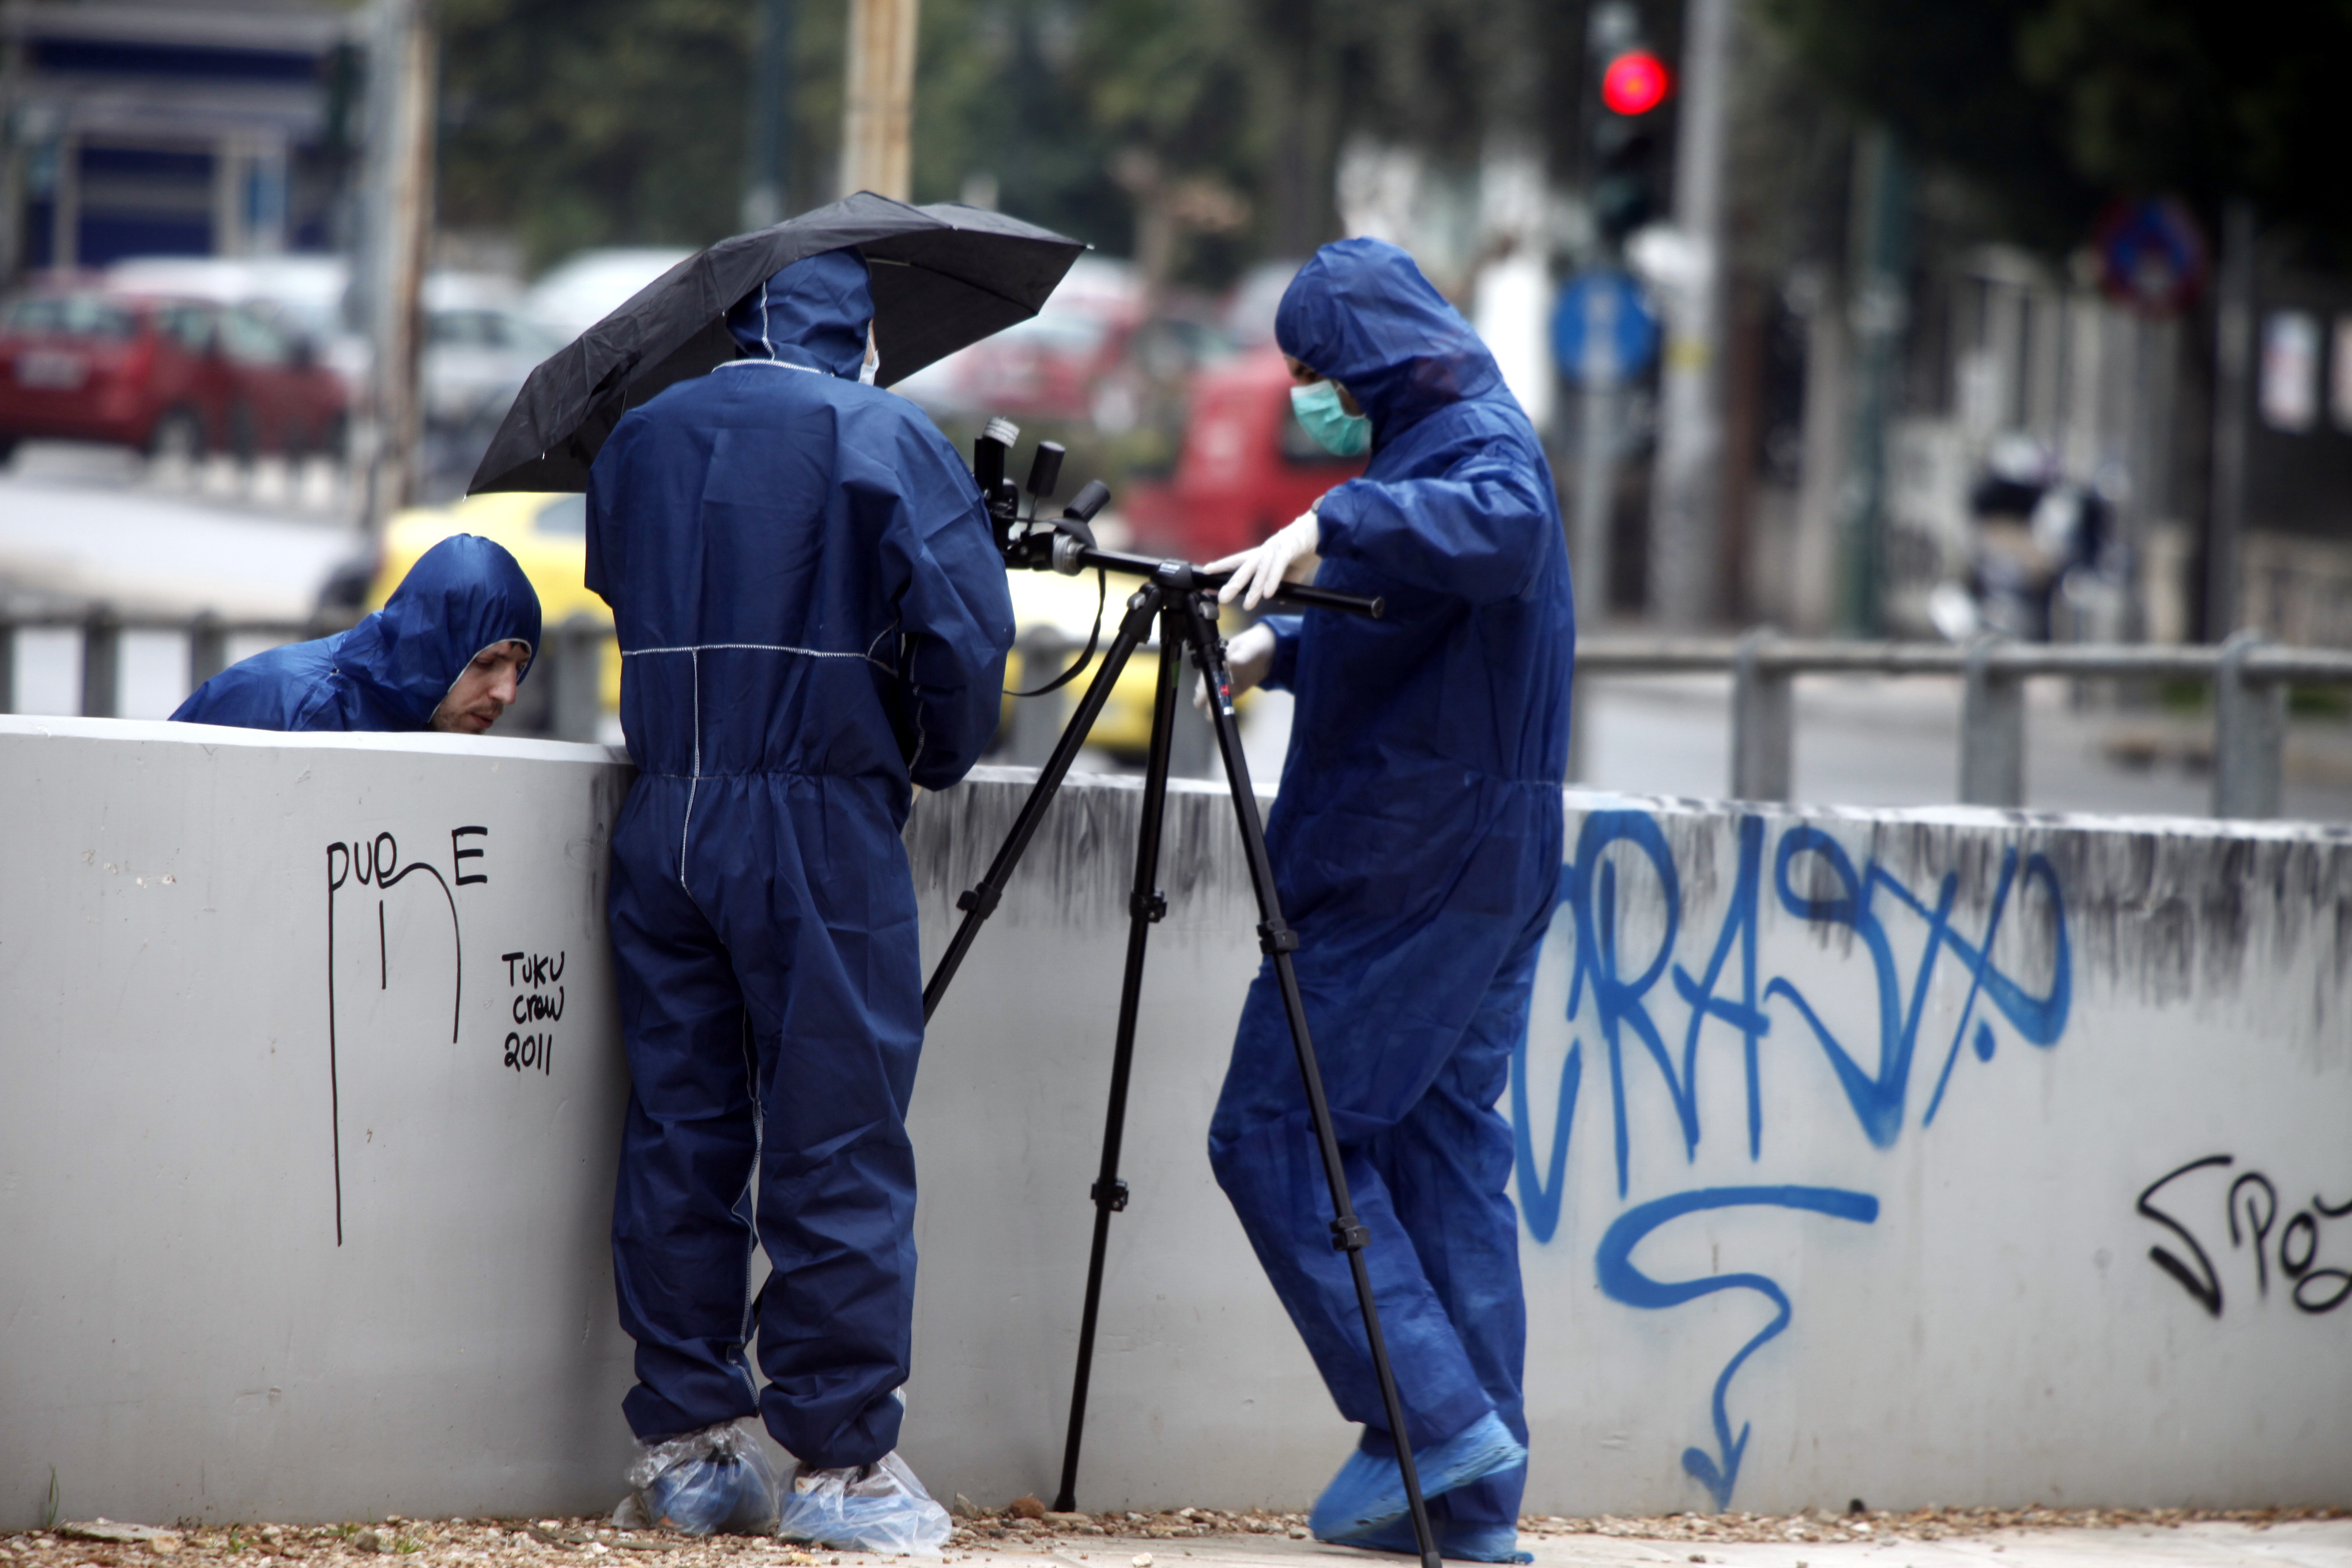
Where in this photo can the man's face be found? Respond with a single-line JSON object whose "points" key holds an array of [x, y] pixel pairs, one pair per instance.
{"points": [[1300, 375], [485, 691]]}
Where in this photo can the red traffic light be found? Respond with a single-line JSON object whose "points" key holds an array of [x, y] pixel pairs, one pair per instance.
{"points": [[1636, 82]]}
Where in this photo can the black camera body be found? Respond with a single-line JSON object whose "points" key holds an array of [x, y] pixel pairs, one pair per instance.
{"points": [[1031, 544]]}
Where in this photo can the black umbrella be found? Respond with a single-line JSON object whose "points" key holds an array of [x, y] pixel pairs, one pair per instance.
{"points": [[944, 276]]}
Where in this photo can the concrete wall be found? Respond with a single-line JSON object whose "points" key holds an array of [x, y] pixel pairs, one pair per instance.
{"points": [[1907, 1214]]}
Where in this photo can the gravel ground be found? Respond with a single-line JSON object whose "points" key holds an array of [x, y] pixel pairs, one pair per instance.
{"points": [[1025, 1531]]}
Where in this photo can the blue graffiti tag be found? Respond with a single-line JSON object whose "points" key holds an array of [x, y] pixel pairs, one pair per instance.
{"points": [[1717, 1472], [1622, 1003], [1813, 877]]}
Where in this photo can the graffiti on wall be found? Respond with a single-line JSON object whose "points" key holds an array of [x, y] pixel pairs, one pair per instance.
{"points": [[2287, 1254], [1655, 1021], [375, 865]]}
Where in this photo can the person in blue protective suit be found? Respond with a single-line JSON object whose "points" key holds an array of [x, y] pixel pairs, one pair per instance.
{"points": [[812, 617], [1416, 846], [449, 651]]}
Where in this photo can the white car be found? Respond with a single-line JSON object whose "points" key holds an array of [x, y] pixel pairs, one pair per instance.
{"points": [[577, 293]]}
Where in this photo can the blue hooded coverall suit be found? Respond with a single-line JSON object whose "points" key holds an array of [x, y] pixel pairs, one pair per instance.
{"points": [[812, 611], [1416, 844], [391, 671]]}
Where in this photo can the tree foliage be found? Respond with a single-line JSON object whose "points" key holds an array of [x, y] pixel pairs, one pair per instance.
{"points": [[2056, 107], [577, 122]]}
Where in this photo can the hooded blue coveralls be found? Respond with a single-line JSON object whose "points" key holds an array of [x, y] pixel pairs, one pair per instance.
{"points": [[1416, 844], [391, 671], [812, 611]]}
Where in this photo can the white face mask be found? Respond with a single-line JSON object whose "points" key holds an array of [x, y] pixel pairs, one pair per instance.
{"points": [[865, 371]]}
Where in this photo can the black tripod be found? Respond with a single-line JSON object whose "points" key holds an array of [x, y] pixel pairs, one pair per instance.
{"points": [[1180, 597]]}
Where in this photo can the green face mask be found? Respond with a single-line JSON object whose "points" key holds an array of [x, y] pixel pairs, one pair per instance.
{"points": [[1333, 428]]}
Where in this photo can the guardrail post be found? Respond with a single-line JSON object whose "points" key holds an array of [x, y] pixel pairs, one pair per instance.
{"points": [[1761, 718], [101, 663], [1038, 720], [208, 648], [7, 667], [2249, 734], [1992, 730], [575, 705]]}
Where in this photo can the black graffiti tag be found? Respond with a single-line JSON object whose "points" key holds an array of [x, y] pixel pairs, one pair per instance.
{"points": [[2249, 1210]]}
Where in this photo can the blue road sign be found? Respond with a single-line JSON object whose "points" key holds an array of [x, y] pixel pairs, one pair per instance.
{"points": [[1611, 298]]}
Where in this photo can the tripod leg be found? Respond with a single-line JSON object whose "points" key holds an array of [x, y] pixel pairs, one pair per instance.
{"points": [[1277, 940], [979, 903], [1145, 908]]}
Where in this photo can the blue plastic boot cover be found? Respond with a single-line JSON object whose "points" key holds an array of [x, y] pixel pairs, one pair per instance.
{"points": [[879, 1506], [1463, 1542], [876, 1507], [1368, 1491], [715, 1481]]}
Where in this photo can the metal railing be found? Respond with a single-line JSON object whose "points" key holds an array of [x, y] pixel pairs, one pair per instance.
{"points": [[564, 700], [2249, 676]]}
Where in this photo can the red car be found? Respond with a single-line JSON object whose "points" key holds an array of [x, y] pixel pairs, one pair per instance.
{"points": [[1246, 468], [178, 377]]}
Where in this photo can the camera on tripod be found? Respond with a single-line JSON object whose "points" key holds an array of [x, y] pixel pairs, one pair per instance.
{"points": [[1031, 543]]}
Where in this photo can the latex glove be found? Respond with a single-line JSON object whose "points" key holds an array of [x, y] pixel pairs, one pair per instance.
{"points": [[1247, 659], [1287, 557]]}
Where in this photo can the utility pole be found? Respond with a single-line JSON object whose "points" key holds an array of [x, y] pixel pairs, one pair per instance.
{"points": [[1684, 570], [1879, 232], [768, 160], [2233, 357], [398, 227], [878, 105]]}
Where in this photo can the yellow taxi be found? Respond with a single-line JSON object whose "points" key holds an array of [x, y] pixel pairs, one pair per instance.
{"points": [[548, 536]]}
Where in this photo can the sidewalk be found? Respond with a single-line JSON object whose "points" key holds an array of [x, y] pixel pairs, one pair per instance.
{"points": [[1257, 1541]]}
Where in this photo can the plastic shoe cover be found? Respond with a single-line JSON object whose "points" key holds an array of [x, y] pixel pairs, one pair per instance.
{"points": [[1467, 1543], [717, 1481], [880, 1507], [1368, 1491]]}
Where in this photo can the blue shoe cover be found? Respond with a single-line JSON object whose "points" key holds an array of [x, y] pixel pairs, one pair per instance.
{"points": [[1368, 1491], [1467, 1543], [879, 1506], [715, 1481]]}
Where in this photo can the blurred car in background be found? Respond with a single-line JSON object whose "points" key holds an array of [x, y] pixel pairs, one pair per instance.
{"points": [[1244, 469], [479, 345], [1096, 354], [579, 291], [297, 294], [170, 377]]}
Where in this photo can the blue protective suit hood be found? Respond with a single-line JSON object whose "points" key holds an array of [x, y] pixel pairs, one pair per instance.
{"points": [[462, 596], [821, 307], [390, 671], [1361, 313]]}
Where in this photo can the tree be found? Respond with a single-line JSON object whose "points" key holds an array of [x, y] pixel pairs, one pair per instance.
{"points": [[2055, 108]]}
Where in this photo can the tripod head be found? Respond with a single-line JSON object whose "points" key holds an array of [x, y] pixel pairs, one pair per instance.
{"points": [[1066, 544]]}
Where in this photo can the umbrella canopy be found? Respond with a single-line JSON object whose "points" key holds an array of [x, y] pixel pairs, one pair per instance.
{"points": [[943, 276]]}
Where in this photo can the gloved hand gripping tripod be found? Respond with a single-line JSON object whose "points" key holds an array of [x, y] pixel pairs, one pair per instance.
{"points": [[1180, 598]]}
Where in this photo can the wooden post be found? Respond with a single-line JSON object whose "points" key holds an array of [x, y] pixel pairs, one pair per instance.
{"points": [[399, 226], [878, 105]]}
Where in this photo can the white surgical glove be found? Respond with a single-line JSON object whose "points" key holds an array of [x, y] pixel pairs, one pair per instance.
{"points": [[1287, 557], [1247, 659]]}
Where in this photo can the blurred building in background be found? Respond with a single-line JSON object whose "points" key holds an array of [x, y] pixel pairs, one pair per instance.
{"points": [[173, 128]]}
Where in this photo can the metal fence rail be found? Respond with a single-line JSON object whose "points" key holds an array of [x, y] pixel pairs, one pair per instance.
{"points": [[2249, 676], [564, 700]]}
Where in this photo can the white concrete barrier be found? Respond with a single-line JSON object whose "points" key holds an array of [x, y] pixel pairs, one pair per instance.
{"points": [[1920, 1157]]}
